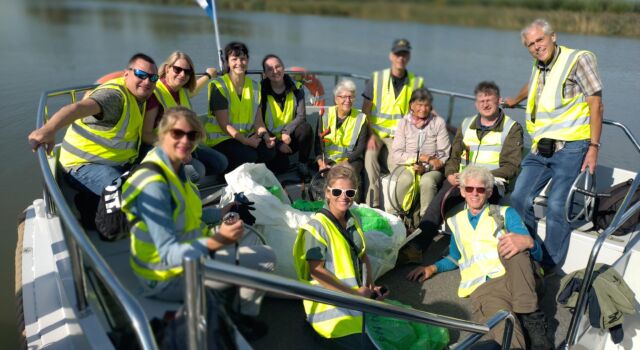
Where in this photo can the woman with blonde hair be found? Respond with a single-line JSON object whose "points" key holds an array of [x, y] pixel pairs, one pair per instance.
{"points": [[176, 86], [169, 222]]}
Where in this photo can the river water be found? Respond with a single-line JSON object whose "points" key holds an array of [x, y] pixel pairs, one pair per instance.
{"points": [[46, 45]]}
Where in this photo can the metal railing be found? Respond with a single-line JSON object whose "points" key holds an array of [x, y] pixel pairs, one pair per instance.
{"points": [[626, 211], [81, 250], [199, 270]]}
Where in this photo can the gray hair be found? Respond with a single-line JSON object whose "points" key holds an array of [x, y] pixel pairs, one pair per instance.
{"points": [[344, 84], [537, 23], [477, 173]]}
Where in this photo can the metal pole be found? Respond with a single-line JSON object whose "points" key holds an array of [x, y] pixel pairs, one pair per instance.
{"points": [[192, 301], [214, 18]]}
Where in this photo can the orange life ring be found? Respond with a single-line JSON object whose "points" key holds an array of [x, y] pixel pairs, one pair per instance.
{"points": [[313, 84], [105, 78]]}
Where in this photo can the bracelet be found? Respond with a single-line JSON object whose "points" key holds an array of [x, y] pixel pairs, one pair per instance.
{"points": [[595, 144], [208, 75]]}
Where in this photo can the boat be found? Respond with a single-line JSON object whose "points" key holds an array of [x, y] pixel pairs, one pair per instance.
{"points": [[78, 292]]}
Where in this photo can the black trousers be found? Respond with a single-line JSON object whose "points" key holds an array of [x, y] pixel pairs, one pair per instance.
{"points": [[301, 142], [432, 219], [238, 153]]}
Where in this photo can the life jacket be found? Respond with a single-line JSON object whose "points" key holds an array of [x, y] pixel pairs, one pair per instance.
{"points": [[479, 258], [277, 118], [114, 147], [165, 98], [387, 108], [342, 140], [554, 116], [485, 152], [241, 111], [145, 260], [328, 320]]}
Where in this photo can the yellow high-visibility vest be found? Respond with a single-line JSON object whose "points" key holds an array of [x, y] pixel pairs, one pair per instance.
{"points": [[554, 116], [114, 147], [342, 140], [166, 99], [241, 111], [330, 321], [277, 118], [485, 152], [479, 258], [387, 108], [145, 259]]}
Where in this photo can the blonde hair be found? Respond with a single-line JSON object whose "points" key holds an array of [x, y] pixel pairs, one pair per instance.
{"points": [[341, 172], [171, 116], [175, 56]]}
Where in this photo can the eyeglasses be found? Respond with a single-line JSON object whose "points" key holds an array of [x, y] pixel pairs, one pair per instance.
{"points": [[480, 190], [178, 134], [178, 70], [142, 75], [346, 97], [337, 192]]}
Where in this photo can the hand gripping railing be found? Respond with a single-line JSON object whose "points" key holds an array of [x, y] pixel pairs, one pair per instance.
{"points": [[623, 214], [78, 243], [197, 270]]}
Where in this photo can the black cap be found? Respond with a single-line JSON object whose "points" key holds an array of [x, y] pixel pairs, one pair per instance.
{"points": [[401, 45]]}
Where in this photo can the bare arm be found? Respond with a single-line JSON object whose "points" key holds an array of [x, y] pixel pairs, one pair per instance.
{"points": [[596, 108], [203, 80], [62, 118], [512, 101]]}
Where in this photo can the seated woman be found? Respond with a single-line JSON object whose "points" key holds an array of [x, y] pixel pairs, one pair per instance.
{"points": [[330, 251], [345, 131], [170, 223], [176, 86], [422, 144], [284, 114], [235, 126]]}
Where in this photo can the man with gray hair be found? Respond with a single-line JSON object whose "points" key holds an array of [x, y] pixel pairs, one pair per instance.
{"points": [[564, 118], [492, 248]]}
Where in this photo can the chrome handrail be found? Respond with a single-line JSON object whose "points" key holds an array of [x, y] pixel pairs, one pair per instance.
{"points": [[79, 243], [622, 215], [237, 275]]}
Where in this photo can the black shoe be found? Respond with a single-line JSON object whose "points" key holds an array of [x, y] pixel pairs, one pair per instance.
{"points": [[251, 328], [535, 329]]}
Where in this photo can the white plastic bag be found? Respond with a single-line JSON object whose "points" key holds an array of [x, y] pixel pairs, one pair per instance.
{"points": [[279, 222]]}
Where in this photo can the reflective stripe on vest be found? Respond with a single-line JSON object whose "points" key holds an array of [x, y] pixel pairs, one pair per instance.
{"points": [[479, 258], [554, 116], [330, 321], [485, 152], [386, 108], [241, 111], [343, 140], [275, 117], [166, 99], [188, 225], [117, 146]]}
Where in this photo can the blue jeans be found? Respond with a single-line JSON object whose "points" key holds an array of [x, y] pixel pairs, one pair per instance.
{"points": [[536, 171], [93, 177], [214, 162]]}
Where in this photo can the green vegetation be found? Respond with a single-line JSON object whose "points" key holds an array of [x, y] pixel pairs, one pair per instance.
{"points": [[594, 17]]}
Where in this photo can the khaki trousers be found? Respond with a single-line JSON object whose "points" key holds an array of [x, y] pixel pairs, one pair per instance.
{"points": [[375, 161]]}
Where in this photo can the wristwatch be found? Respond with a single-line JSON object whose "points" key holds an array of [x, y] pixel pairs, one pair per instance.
{"points": [[594, 144]]}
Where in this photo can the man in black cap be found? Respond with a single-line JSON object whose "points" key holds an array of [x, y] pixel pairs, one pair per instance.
{"points": [[386, 101]]}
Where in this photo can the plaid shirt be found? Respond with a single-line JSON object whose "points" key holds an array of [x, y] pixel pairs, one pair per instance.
{"points": [[583, 77]]}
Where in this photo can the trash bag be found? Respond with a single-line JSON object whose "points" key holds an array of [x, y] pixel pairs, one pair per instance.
{"points": [[311, 206], [389, 333], [372, 221]]}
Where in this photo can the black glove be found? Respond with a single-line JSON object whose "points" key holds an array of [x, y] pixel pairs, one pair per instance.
{"points": [[243, 206]]}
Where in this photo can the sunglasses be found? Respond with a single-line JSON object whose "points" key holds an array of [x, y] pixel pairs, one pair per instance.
{"points": [[337, 192], [142, 75], [178, 134], [470, 189], [177, 70]]}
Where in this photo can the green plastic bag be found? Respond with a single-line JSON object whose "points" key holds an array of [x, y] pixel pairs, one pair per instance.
{"points": [[311, 206], [394, 334], [372, 221]]}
